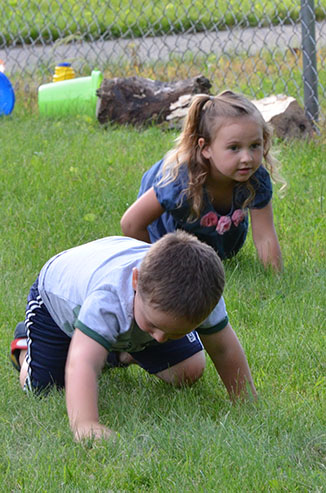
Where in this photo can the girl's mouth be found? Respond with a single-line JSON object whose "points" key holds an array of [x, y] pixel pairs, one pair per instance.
{"points": [[244, 171]]}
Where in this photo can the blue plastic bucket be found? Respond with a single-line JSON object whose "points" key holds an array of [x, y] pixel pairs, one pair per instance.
{"points": [[7, 95]]}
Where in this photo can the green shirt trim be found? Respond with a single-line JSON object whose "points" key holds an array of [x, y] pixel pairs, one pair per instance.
{"points": [[98, 338], [93, 335], [216, 328]]}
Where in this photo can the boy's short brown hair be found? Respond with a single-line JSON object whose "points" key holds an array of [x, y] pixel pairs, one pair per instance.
{"points": [[182, 276]]}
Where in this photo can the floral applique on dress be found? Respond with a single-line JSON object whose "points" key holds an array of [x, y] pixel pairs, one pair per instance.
{"points": [[223, 223]]}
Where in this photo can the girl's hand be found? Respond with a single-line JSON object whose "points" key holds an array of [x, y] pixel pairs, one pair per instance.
{"points": [[265, 237], [92, 431]]}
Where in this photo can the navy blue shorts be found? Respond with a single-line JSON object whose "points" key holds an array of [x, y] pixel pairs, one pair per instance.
{"points": [[48, 348]]}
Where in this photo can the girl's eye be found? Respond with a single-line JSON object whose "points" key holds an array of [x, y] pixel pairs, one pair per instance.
{"points": [[256, 146], [234, 148]]}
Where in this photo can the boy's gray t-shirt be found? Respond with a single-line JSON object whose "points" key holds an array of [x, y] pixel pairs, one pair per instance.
{"points": [[90, 287]]}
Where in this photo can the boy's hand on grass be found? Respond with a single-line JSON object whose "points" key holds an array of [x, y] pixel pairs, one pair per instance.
{"points": [[85, 360], [92, 431], [231, 363]]}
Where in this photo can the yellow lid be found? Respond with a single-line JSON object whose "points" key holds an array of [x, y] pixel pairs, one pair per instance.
{"points": [[63, 73]]}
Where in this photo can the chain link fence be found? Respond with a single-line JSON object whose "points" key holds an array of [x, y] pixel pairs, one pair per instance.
{"points": [[257, 48]]}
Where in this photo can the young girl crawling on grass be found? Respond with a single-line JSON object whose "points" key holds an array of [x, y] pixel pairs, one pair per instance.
{"points": [[219, 169]]}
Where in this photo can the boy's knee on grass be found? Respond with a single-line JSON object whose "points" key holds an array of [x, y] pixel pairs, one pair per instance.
{"points": [[186, 372]]}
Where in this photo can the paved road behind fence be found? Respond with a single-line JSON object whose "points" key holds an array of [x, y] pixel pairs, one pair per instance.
{"points": [[99, 54]]}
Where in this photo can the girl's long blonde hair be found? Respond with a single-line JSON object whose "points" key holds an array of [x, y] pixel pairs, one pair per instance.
{"points": [[205, 117]]}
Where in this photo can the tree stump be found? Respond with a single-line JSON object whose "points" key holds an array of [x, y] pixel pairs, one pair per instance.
{"points": [[286, 116], [137, 101]]}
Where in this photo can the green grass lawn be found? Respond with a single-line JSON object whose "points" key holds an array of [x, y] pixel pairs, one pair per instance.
{"points": [[51, 19], [65, 182]]}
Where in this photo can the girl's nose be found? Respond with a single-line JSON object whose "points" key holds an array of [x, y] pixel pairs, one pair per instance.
{"points": [[246, 156]]}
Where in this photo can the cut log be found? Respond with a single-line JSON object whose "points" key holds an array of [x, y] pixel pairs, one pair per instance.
{"points": [[138, 101], [286, 116], [282, 112], [179, 109]]}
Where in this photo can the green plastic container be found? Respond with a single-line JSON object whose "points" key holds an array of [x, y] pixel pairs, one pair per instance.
{"points": [[70, 97]]}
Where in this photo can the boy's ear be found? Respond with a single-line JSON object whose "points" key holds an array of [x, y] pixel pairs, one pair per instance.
{"points": [[134, 278]]}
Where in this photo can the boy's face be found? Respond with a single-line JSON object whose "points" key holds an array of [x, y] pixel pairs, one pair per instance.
{"points": [[160, 325]]}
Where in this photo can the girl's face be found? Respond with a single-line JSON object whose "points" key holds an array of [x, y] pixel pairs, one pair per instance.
{"points": [[237, 150]]}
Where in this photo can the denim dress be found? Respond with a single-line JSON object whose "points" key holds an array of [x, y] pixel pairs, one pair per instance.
{"points": [[226, 233]]}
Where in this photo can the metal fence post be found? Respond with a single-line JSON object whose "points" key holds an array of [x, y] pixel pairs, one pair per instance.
{"points": [[310, 74]]}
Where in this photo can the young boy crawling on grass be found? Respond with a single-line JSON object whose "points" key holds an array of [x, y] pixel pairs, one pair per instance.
{"points": [[118, 301]]}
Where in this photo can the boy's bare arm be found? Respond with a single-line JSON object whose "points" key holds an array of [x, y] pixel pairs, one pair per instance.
{"points": [[230, 361], [86, 358]]}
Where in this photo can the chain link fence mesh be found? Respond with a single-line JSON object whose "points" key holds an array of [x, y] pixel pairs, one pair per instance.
{"points": [[256, 48]]}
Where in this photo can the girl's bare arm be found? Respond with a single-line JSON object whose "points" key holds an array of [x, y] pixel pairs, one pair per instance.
{"points": [[265, 237], [140, 214]]}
